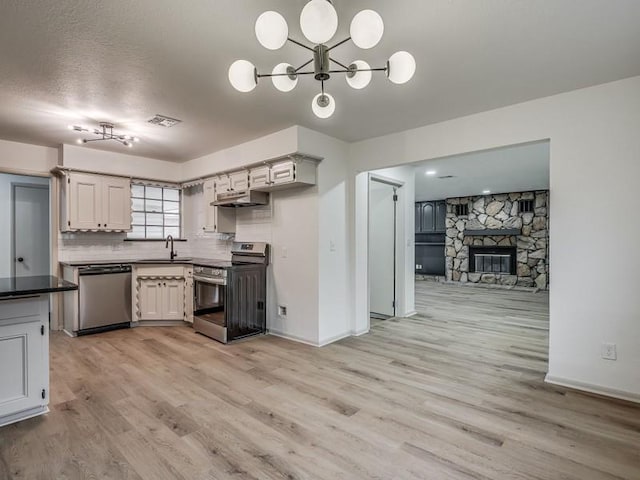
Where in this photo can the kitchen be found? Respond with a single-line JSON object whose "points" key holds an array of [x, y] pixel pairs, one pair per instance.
{"points": [[191, 174]]}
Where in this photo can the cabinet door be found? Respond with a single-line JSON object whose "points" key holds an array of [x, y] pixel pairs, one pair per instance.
{"points": [[150, 299], [85, 201], [209, 210], [22, 367], [222, 184], [239, 181], [259, 177], [441, 216], [418, 219], [116, 203], [283, 172], [173, 299], [428, 217]]}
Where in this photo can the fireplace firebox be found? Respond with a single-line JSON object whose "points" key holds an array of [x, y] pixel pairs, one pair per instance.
{"points": [[494, 259]]}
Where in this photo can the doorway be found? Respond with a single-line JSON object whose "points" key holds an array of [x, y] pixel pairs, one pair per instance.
{"points": [[26, 223], [383, 215]]}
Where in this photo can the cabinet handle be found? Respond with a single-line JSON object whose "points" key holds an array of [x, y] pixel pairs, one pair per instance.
{"points": [[159, 284], [98, 224], [164, 284]]}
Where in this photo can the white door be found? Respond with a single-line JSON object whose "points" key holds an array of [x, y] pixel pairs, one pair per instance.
{"points": [[21, 367], [150, 299], [173, 300], [31, 247], [116, 203], [382, 247], [85, 199]]}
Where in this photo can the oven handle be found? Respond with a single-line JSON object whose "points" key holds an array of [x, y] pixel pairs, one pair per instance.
{"points": [[211, 281]]}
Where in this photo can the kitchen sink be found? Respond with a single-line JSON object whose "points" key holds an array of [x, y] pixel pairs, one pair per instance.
{"points": [[165, 260]]}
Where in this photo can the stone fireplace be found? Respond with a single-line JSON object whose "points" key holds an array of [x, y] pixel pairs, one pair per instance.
{"points": [[498, 239]]}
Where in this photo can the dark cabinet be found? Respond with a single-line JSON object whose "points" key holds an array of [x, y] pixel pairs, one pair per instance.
{"points": [[431, 216]]}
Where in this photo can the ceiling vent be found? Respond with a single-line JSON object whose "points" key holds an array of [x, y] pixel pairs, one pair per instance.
{"points": [[445, 177], [163, 121]]}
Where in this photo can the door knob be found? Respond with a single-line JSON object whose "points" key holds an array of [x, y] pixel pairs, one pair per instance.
{"points": [[20, 259]]}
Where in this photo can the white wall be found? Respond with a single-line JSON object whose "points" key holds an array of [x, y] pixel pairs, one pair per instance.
{"points": [[25, 158], [116, 163], [595, 167]]}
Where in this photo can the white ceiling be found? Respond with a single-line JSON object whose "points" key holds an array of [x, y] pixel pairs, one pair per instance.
{"points": [[516, 168], [72, 61]]}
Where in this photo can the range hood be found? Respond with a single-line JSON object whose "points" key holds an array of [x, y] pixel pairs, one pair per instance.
{"points": [[241, 198]]}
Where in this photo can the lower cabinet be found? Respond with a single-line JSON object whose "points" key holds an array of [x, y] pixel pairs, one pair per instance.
{"points": [[161, 299], [24, 358]]}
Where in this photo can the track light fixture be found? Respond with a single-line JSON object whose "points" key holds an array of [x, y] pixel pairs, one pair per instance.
{"points": [[105, 132], [319, 23]]}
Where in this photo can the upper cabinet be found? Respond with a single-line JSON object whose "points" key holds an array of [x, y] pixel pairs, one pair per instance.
{"points": [[430, 217], [96, 203], [283, 174], [239, 181], [217, 220]]}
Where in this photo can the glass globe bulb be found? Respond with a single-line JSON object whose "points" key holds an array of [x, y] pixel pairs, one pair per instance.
{"points": [[359, 79], [323, 105], [242, 75], [272, 30], [401, 67], [283, 82], [319, 21], [366, 29]]}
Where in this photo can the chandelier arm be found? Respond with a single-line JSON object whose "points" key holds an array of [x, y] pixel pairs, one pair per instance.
{"points": [[304, 65], [261, 75], [339, 43], [339, 63], [300, 44]]}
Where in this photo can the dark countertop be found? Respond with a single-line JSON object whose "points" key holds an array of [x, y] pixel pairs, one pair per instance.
{"points": [[204, 262], [19, 286]]}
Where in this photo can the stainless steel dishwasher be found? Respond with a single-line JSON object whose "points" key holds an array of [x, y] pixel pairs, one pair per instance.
{"points": [[105, 298]]}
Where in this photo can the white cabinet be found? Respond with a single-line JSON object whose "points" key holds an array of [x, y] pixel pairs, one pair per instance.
{"points": [[150, 299], [217, 220], [116, 203], [161, 299], [283, 175], [160, 292], [239, 181], [96, 202], [173, 299], [222, 183], [260, 177], [24, 358]]}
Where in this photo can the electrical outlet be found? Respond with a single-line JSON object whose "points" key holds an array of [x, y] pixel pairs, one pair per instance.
{"points": [[332, 246], [609, 351], [284, 252], [418, 266], [282, 310]]}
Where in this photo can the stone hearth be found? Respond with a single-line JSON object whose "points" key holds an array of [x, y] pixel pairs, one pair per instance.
{"points": [[527, 231]]}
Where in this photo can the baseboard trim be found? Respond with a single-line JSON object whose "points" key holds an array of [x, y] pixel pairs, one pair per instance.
{"points": [[335, 338], [293, 338], [592, 388], [410, 314], [360, 332]]}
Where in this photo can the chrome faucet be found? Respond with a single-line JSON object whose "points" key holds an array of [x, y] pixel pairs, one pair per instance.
{"points": [[173, 253]]}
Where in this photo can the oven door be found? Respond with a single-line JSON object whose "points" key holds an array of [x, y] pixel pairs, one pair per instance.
{"points": [[210, 300]]}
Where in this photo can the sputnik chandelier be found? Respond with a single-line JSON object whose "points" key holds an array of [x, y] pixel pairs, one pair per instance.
{"points": [[105, 132], [319, 23]]}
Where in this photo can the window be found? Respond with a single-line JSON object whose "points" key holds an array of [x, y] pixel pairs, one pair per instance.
{"points": [[155, 212], [525, 206], [462, 209]]}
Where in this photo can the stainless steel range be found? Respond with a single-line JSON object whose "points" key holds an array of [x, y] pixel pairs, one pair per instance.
{"points": [[230, 297]]}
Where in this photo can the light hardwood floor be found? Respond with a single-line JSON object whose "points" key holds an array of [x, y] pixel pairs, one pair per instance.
{"points": [[455, 392]]}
